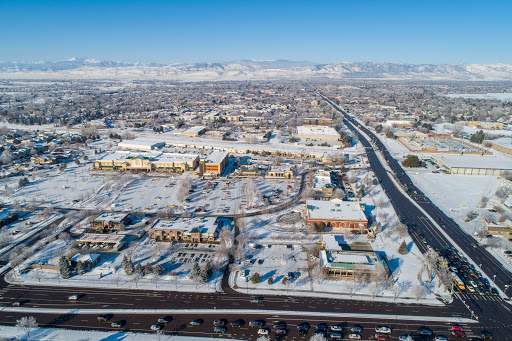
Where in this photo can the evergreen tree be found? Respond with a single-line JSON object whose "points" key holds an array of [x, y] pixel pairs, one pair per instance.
{"points": [[80, 268], [124, 263], [158, 269], [270, 280], [403, 248], [64, 268], [130, 268], [207, 272], [139, 270], [284, 280], [255, 278], [148, 269], [196, 270]]}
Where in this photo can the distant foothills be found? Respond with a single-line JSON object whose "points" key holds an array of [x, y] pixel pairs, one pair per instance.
{"points": [[83, 68]]}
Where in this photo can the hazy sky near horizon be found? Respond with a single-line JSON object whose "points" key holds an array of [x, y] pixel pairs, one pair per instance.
{"points": [[417, 32]]}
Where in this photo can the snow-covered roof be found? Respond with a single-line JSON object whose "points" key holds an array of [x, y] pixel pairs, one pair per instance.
{"points": [[334, 209], [476, 161], [322, 180], [193, 130], [86, 257], [101, 238], [203, 225], [317, 130], [333, 242], [216, 156], [107, 216], [153, 156], [142, 143]]}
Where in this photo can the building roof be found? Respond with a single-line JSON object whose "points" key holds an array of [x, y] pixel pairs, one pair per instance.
{"points": [[152, 156], [194, 130], [203, 224], [476, 161], [323, 180], [101, 238], [333, 242], [107, 216], [351, 260], [85, 257], [216, 156], [317, 130], [279, 169], [142, 143], [334, 209]]}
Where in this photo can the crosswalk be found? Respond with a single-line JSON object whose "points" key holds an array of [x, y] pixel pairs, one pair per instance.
{"points": [[477, 297]]}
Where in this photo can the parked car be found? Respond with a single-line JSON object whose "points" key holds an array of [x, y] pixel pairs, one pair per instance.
{"points": [[458, 328], [263, 331], [163, 319], [280, 325], [256, 300], [237, 323], [425, 332], [440, 338], [337, 328], [73, 297], [405, 338], [16, 303], [303, 325], [258, 324], [196, 322], [337, 336], [116, 324], [281, 332], [219, 329], [302, 332], [219, 323], [381, 336], [322, 326], [354, 336], [356, 329], [383, 329], [156, 327], [486, 335], [458, 333]]}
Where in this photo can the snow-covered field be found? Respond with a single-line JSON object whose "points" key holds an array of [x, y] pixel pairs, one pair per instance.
{"points": [[51, 334]]}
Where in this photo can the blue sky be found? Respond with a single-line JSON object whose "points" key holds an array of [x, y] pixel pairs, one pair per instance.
{"points": [[411, 31]]}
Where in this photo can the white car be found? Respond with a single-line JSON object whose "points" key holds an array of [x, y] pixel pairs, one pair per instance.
{"points": [[354, 336], [383, 329], [263, 331], [440, 338], [73, 297], [156, 327]]}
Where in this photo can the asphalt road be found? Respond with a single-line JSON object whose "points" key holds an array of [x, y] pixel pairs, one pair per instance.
{"points": [[494, 313]]}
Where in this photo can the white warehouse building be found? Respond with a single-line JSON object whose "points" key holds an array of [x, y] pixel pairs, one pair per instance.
{"points": [[317, 133], [473, 164]]}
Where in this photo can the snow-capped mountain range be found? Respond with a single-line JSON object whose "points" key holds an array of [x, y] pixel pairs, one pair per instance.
{"points": [[82, 68]]}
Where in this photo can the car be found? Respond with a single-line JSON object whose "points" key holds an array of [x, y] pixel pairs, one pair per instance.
{"points": [[263, 331], [508, 252], [73, 297], [473, 245], [237, 323], [458, 333], [440, 338], [281, 332], [196, 322], [336, 328], [381, 336], [219, 329], [336, 336], [354, 336], [16, 303], [405, 338], [219, 323], [256, 300], [356, 329], [260, 261], [116, 324], [383, 329], [425, 332], [303, 325], [457, 328], [486, 335], [322, 326], [258, 324], [104, 317], [280, 325], [163, 319], [155, 327], [302, 332]]}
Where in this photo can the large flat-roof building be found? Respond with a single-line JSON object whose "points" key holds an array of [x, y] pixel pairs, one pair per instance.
{"points": [[142, 143], [193, 230], [317, 133], [215, 163], [322, 184], [337, 214], [147, 162], [114, 241], [473, 164]]}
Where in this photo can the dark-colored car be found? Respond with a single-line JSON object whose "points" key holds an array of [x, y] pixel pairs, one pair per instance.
{"points": [[219, 323], [237, 323], [219, 329], [425, 332], [322, 326], [281, 332], [303, 325], [280, 325], [302, 332], [486, 335]]}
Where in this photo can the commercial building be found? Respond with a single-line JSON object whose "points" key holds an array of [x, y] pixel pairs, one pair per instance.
{"points": [[215, 163], [498, 228], [317, 133], [108, 241], [247, 170], [89, 260], [110, 221], [147, 162], [503, 145], [7, 216], [142, 143], [192, 230], [341, 260], [280, 172], [473, 164], [337, 214], [194, 131], [322, 184]]}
